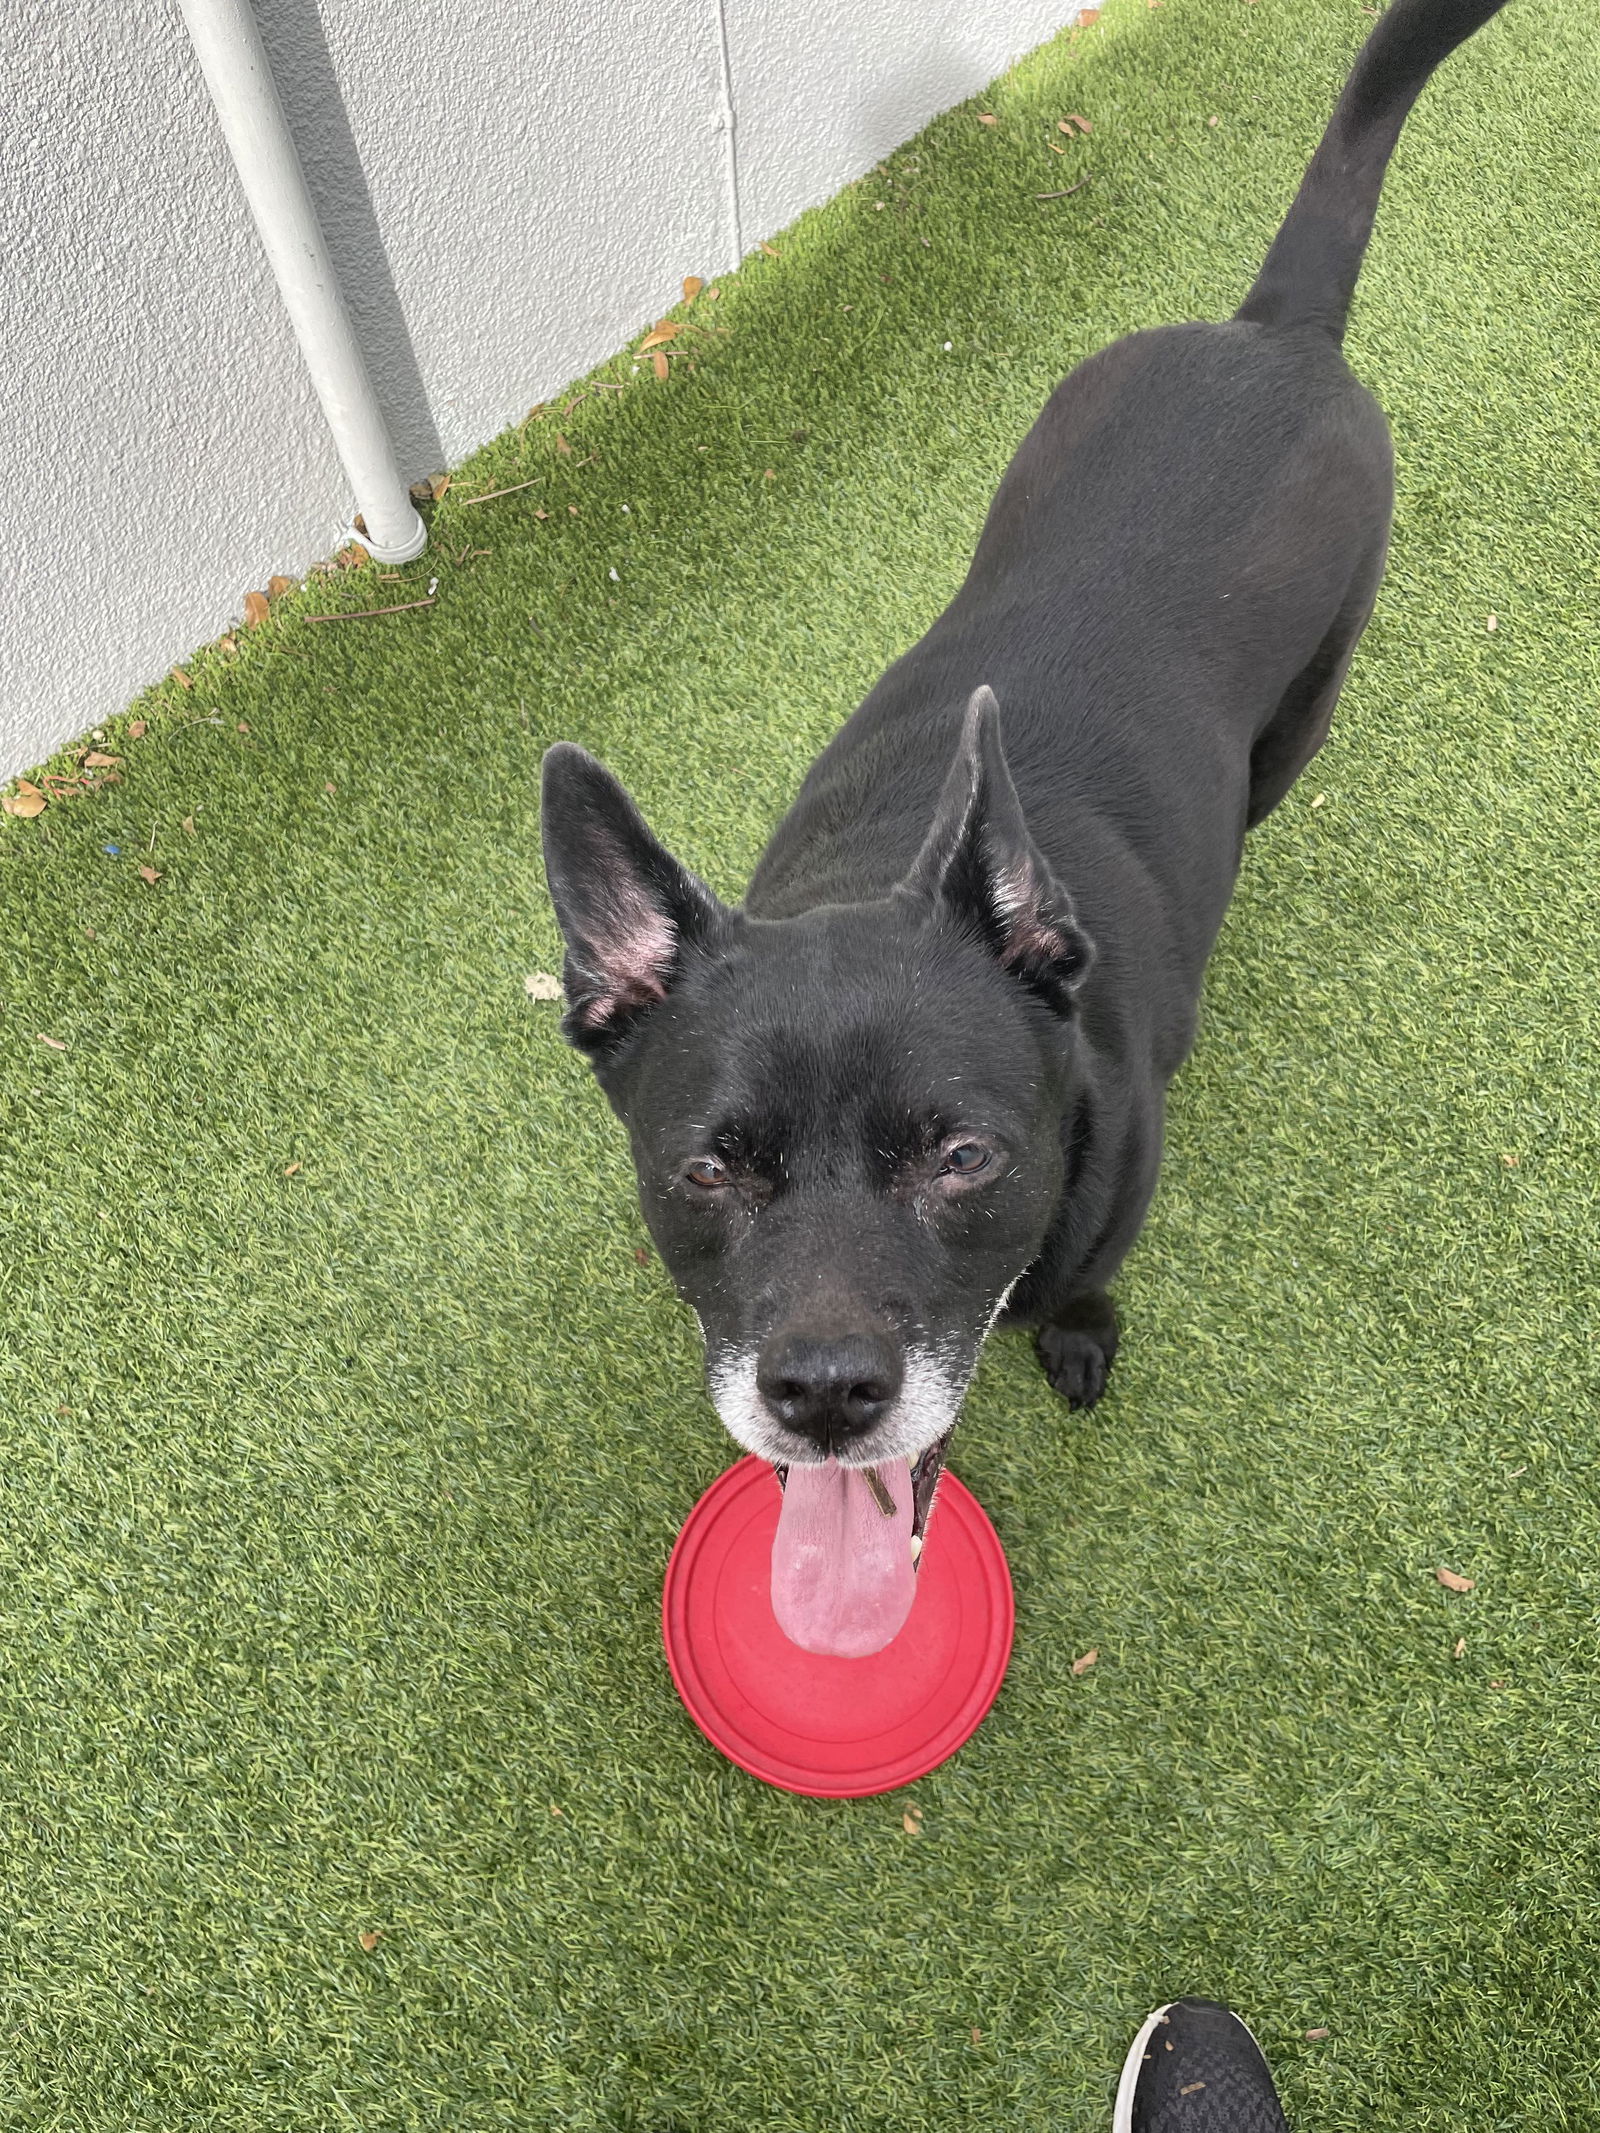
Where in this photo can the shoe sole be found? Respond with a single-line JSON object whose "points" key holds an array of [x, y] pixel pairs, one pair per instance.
{"points": [[1132, 2066]]}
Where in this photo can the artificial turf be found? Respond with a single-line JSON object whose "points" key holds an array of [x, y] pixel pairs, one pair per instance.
{"points": [[337, 1498]]}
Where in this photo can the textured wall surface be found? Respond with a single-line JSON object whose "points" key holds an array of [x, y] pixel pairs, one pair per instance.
{"points": [[823, 88], [509, 189]]}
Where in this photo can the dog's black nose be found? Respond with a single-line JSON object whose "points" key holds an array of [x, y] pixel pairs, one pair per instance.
{"points": [[829, 1389]]}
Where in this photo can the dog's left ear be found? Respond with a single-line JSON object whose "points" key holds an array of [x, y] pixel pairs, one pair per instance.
{"points": [[979, 863], [627, 908]]}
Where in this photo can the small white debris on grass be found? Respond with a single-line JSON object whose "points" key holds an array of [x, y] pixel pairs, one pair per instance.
{"points": [[540, 985]]}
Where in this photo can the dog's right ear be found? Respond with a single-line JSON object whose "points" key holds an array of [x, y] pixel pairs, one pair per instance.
{"points": [[626, 908]]}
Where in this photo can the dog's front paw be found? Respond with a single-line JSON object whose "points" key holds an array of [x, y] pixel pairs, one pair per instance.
{"points": [[1077, 1349]]}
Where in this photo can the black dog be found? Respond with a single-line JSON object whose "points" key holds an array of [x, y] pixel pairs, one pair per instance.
{"points": [[917, 1081]]}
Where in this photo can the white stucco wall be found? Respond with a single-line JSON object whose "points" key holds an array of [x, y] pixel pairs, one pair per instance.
{"points": [[509, 187]]}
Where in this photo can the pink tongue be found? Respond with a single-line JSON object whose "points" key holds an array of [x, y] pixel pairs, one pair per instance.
{"points": [[842, 1576]]}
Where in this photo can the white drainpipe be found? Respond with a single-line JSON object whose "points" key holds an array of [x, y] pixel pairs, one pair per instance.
{"points": [[234, 63]]}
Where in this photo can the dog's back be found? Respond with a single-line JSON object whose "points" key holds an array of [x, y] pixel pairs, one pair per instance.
{"points": [[1183, 551]]}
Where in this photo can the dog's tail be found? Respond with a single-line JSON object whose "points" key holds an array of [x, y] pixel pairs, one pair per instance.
{"points": [[1309, 275]]}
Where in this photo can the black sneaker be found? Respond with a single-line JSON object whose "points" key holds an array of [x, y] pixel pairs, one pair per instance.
{"points": [[1195, 2068]]}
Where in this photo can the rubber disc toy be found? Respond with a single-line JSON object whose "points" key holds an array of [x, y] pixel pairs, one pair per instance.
{"points": [[904, 1646]]}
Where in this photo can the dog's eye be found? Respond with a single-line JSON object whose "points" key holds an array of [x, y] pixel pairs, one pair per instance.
{"points": [[706, 1172], [965, 1159]]}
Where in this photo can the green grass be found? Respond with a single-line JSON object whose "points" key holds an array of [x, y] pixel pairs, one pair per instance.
{"points": [[337, 1503]]}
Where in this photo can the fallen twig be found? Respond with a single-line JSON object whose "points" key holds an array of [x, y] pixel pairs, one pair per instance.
{"points": [[357, 614], [605, 386], [489, 495], [1071, 189]]}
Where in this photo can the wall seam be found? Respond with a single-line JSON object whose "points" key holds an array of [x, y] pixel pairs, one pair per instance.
{"points": [[727, 125]]}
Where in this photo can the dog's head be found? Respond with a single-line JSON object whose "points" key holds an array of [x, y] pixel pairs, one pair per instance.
{"points": [[846, 1124]]}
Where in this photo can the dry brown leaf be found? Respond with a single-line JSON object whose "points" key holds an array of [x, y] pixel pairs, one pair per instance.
{"points": [[653, 339], [24, 805], [369, 1940], [692, 285], [279, 585], [188, 825], [329, 786], [94, 760], [227, 644], [1315, 2036], [150, 875], [771, 250], [987, 118], [138, 728], [1087, 15], [977, 2034], [911, 1821], [1453, 1581], [713, 293], [257, 607], [182, 679], [540, 985], [1082, 1666], [1077, 118], [1461, 1647], [660, 365], [56, 1044], [562, 445], [640, 1256], [439, 484], [291, 1169]]}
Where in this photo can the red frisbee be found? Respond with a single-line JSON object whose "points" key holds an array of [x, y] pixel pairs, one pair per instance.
{"points": [[836, 1729]]}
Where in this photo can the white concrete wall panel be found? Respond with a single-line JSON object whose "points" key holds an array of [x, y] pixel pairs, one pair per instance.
{"points": [[509, 189], [166, 449], [824, 88], [517, 184]]}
